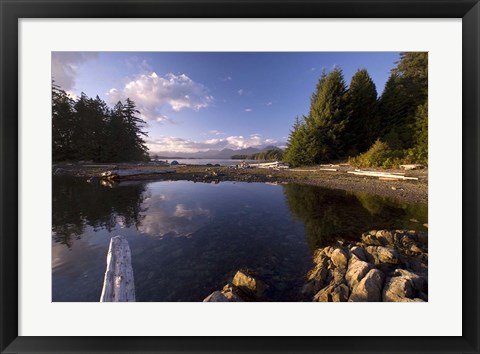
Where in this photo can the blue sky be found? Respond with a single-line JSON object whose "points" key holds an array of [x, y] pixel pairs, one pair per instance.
{"points": [[212, 100]]}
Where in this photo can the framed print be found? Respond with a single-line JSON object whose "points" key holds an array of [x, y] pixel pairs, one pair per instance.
{"points": [[236, 176]]}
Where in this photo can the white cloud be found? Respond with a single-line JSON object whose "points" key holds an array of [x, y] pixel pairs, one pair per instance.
{"points": [[151, 93], [161, 118], [65, 66], [228, 78], [269, 103], [240, 92], [235, 142], [248, 109], [216, 132]]}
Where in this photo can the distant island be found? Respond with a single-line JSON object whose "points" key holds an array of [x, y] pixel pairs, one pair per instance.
{"points": [[270, 154], [251, 153]]}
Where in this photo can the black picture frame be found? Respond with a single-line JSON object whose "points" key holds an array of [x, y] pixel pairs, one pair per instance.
{"points": [[13, 10]]}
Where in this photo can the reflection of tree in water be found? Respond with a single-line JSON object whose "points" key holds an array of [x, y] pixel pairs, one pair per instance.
{"points": [[76, 204], [377, 205], [329, 214]]}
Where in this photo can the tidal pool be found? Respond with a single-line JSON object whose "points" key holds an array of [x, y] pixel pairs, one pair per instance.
{"points": [[188, 239]]}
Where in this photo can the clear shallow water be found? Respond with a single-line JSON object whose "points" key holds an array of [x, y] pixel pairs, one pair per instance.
{"points": [[188, 239]]}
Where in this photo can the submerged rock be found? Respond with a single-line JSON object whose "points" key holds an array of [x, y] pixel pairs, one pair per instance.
{"points": [[244, 287], [248, 284]]}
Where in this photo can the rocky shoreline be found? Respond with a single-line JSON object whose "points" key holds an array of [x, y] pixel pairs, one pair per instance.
{"points": [[405, 190], [384, 266]]}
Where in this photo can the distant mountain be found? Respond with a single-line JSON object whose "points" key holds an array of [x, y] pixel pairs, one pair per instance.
{"points": [[212, 154]]}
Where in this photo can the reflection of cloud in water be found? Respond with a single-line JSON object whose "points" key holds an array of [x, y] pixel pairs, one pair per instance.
{"points": [[164, 217], [159, 198], [181, 211]]}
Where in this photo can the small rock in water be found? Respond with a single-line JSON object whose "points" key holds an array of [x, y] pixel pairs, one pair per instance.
{"points": [[249, 284]]}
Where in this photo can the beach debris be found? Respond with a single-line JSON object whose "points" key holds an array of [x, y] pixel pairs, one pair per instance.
{"points": [[412, 167], [109, 175], [273, 165], [132, 173]]}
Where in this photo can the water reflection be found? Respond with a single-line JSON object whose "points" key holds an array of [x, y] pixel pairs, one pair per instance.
{"points": [[77, 204], [329, 215], [188, 239]]}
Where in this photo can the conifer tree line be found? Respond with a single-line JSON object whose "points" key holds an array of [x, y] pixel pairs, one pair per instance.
{"points": [[354, 123], [87, 129]]}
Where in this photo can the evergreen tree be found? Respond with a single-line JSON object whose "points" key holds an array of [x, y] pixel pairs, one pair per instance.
{"points": [[419, 153], [326, 120], [62, 125], [90, 120], [295, 153], [362, 128], [392, 105], [137, 150], [406, 89], [87, 129], [344, 122]]}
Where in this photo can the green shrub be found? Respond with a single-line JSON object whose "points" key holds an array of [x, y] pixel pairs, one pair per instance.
{"points": [[379, 155]]}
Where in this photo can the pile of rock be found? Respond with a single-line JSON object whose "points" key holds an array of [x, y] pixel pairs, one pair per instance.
{"points": [[384, 266], [244, 287]]}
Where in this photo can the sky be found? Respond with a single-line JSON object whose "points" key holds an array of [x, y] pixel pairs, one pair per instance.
{"points": [[198, 101]]}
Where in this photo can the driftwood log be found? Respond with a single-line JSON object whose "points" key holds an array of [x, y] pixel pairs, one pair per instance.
{"points": [[381, 175], [118, 284]]}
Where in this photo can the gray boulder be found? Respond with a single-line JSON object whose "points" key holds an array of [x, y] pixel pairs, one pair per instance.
{"points": [[357, 269], [369, 288], [339, 258], [398, 289], [332, 293]]}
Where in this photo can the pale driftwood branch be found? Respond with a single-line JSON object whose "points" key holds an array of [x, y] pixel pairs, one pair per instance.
{"points": [[380, 174], [118, 284], [313, 170]]}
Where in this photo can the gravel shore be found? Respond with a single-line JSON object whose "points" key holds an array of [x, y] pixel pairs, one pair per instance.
{"points": [[415, 191]]}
